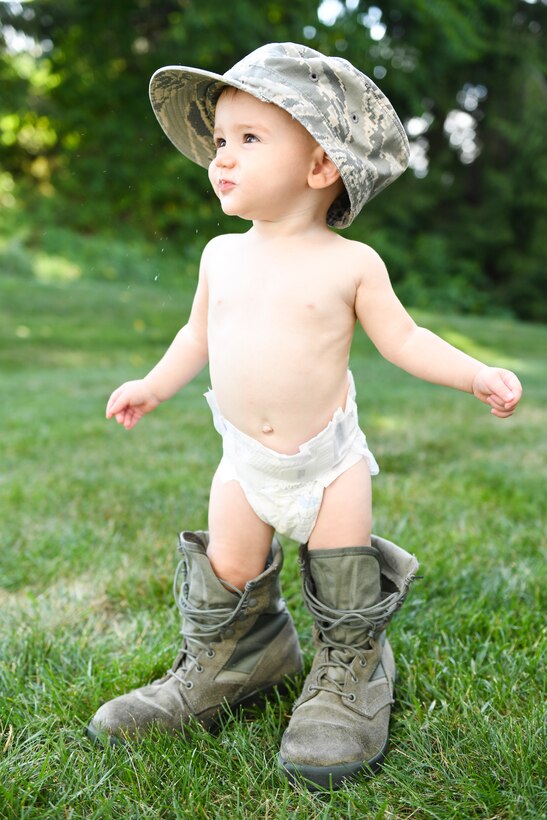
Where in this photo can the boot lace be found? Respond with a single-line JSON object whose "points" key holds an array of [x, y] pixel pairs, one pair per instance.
{"points": [[337, 660], [207, 625], [340, 656]]}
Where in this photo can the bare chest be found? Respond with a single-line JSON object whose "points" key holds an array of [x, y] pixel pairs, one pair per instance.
{"points": [[285, 296]]}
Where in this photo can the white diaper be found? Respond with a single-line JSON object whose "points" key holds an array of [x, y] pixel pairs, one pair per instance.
{"points": [[286, 491]]}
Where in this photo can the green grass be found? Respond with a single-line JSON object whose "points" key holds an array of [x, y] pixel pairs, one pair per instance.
{"points": [[88, 524]]}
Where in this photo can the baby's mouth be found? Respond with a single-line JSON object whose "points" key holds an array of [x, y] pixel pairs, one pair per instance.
{"points": [[225, 185]]}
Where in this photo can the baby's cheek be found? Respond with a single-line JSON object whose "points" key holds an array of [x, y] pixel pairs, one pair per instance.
{"points": [[212, 175]]}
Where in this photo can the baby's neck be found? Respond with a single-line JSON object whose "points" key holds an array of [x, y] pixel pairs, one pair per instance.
{"points": [[287, 230]]}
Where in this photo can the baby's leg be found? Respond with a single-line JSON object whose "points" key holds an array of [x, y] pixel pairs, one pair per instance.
{"points": [[339, 725], [345, 516], [239, 541]]}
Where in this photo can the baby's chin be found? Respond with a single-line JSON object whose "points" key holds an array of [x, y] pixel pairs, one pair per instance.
{"points": [[231, 209]]}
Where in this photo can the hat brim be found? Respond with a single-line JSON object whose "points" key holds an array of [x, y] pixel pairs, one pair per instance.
{"points": [[183, 100]]}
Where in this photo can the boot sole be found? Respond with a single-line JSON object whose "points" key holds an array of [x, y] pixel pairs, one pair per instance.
{"points": [[327, 778]]}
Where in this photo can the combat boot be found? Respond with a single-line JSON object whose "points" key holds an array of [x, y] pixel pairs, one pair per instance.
{"points": [[339, 725], [235, 646]]}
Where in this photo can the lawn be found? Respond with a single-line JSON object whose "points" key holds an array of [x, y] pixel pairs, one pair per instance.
{"points": [[89, 516]]}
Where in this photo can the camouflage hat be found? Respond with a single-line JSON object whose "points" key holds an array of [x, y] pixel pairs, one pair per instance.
{"points": [[343, 110]]}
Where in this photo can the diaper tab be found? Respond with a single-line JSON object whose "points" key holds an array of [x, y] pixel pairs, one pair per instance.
{"points": [[219, 421], [316, 457]]}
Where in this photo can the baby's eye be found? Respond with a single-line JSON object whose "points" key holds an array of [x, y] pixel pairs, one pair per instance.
{"points": [[250, 138], [220, 142]]}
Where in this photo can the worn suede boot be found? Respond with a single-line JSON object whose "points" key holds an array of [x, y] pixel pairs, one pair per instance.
{"points": [[339, 726], [236, 645]]}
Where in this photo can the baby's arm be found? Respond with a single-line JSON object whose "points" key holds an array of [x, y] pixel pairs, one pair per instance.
{"points": [[185, 358], [421, 352]]}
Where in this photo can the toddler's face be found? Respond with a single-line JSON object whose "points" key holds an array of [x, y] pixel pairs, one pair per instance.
{"points": [[263, 157]]}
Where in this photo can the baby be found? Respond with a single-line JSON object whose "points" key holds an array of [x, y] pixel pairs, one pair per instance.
{"points": [[296, 143]]}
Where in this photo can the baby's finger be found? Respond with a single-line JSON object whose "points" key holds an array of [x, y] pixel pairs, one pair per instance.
{"points": [[511, 380], [110, 404], [511, 402], [501, 392], [116, 404], [502, 414], [512, 385], [500, 409], [130, 420], [120, 417], [497, 402]]}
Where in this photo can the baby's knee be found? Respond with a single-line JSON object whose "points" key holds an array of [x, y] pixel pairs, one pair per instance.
{"points": [[234, 568]]}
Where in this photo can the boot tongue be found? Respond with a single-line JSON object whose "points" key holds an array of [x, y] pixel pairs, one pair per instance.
{"points": [[346, 579]]}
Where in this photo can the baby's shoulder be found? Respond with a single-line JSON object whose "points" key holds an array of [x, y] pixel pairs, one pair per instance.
{"points": [[359, 258], [221, 243], [360, 251], [217, 251]]}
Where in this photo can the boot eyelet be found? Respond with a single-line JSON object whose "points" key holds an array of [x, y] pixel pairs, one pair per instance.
{"points": [[362, 664], [252, 602], [199, 668], [210, 653], [312, 688], [351, 697], [189, 684], [229, 632]]}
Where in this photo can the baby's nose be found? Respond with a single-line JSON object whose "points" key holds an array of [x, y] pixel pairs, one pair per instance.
{"points": [[225, 158]]}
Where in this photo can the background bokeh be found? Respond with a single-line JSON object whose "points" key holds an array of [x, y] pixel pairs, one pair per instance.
{"points": [[462, 231]]}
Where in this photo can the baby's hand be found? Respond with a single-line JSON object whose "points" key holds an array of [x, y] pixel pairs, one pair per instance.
{"points": [[130, 402], [499, 388]]}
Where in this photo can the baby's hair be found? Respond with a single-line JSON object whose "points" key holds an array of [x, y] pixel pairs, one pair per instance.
{"points": [[227, 90]]}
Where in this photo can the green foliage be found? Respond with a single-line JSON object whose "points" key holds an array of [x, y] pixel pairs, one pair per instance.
{"points": [[79, 144], [58, 254]]}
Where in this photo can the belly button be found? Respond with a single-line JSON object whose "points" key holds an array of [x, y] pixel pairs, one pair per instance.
{"points": [[267, 429]]}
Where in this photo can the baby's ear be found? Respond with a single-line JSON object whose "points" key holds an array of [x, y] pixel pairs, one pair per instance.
{"points": [[323, 171]]}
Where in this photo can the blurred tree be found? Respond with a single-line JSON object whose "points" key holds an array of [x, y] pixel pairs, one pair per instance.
{"points": [[86, 90], [469, 80], [463, 229]]}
